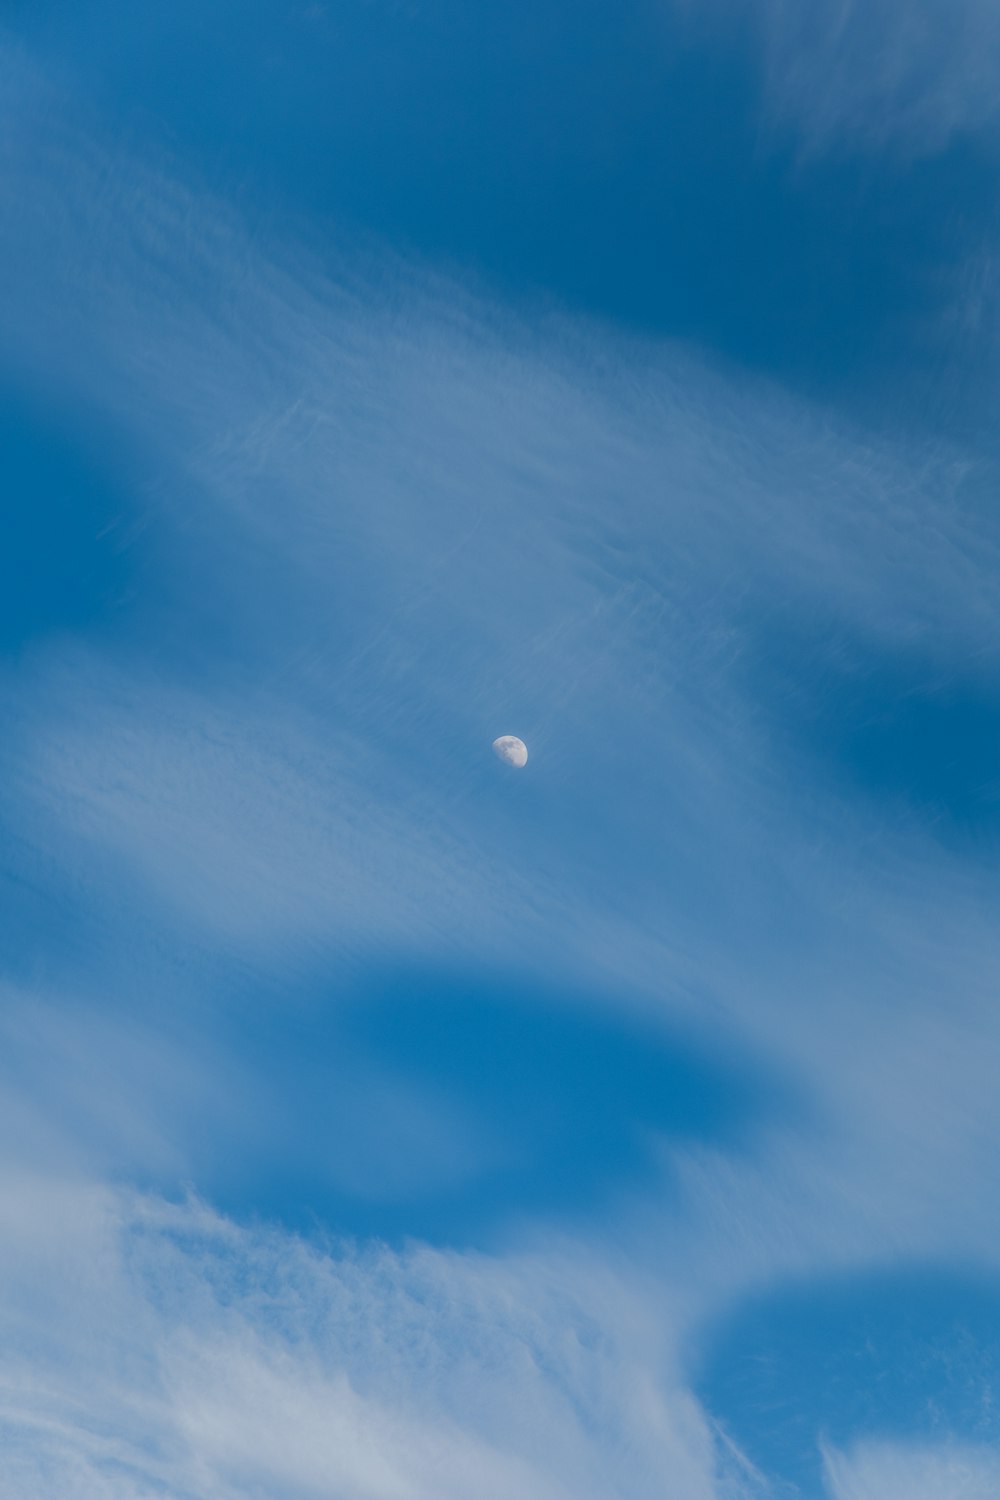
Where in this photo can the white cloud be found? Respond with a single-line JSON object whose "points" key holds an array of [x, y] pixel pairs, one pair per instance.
{"points": [[466, 531], [258, 827], [86, 1087], [461, 527], [189, 1357], [884, 1471], [904, 74], [468, 527]]}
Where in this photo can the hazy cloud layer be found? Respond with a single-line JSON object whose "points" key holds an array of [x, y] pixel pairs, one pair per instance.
{"points": [[881, 1472], [883, 74], [371, 522], [186, 1357]]}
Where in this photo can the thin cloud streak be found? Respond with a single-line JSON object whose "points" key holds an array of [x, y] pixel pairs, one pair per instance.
{"points": [[884, 1471], [308, 423], [458, 528], [219, 1359], [908, 78]]}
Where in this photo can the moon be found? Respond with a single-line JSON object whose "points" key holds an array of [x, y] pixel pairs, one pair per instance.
{"points": [[511, 750]]}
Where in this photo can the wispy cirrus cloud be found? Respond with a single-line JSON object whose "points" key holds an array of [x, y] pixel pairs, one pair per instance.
{"points": [[221, 1360], [884, 1472], [885, 75], [375, 523], [459, 523]]}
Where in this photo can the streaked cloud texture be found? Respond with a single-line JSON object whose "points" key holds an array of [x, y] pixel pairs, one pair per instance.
{"points": [[376, 1121]]}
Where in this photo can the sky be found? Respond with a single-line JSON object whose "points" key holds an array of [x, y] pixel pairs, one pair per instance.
{"points": [[378, 1121]]}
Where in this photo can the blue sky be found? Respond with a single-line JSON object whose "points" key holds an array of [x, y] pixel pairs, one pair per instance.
{"points": [[377, 1121]]}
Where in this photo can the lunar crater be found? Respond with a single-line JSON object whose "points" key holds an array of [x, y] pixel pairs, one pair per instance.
{"points": [[511, 750]]}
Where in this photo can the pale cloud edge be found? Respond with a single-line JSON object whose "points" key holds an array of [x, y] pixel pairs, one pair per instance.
{"points": [[884, 75], [882, 1471], [253, 418], [188, 1357]]}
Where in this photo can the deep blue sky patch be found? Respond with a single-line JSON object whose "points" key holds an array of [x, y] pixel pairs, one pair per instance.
{"points": [[618, 163], [381, 377], [904, 1354], [443, 1107]]}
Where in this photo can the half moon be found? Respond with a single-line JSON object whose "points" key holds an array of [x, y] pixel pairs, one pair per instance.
{"points": [[511, 750]]}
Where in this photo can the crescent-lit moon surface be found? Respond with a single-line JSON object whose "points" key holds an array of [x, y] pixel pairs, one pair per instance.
{"points": [[511, 750]]}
